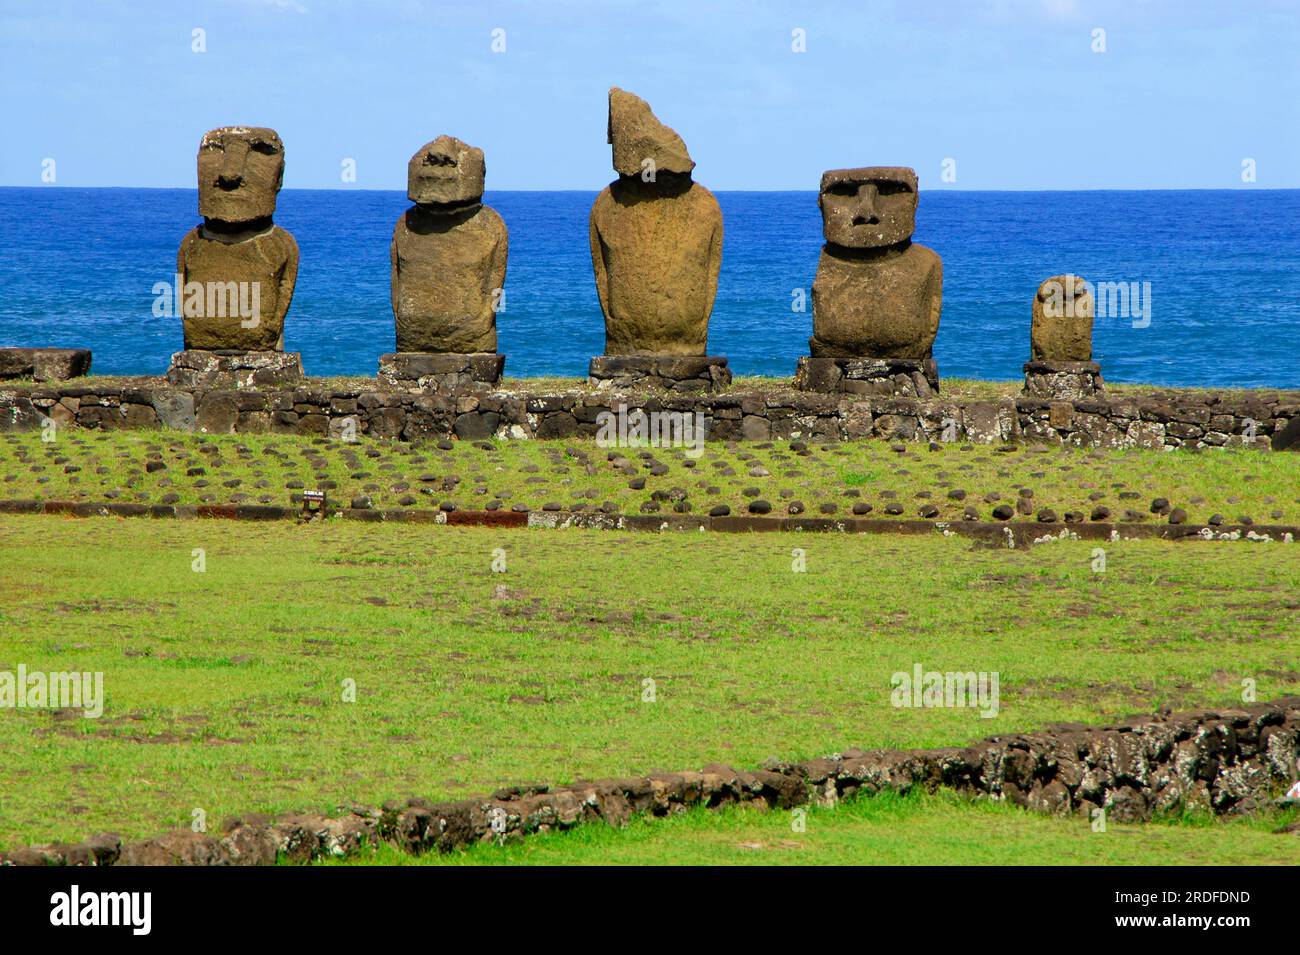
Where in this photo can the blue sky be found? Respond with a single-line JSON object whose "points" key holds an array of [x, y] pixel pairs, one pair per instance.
{"points": [[1011, 90]]}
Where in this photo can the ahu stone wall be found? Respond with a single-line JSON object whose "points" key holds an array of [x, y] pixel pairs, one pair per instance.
{"points": [[1166, 419]]}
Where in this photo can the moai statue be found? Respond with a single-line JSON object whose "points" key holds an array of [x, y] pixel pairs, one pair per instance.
{"points": [[236, 271], [1060, 362], [877, 295], [448, 273], [656, 247]]}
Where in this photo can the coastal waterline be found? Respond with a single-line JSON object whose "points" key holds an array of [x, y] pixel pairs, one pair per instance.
{"points": [[81, 264]]}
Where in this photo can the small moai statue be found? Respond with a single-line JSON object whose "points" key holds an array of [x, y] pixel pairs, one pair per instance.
{"points": [[448, 256], [877, 295], [1060, 362], [236, 271], [656, 248]]}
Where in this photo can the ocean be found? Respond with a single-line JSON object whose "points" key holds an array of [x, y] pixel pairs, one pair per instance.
{"points": [[79, 266]]}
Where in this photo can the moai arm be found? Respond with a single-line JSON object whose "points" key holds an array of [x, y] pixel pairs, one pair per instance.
{"points": [[598, 257], [288, 278], [936, 296], [715, 262], [498, 275], [392, 271]]}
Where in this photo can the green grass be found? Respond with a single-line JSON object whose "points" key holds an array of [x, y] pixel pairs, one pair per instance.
{"points": [[1237, 484], [224, 687], [887, 829]]}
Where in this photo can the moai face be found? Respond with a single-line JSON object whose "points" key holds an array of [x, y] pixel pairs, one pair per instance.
{"points": [[241, 168], [445, 171], [868, 208]]}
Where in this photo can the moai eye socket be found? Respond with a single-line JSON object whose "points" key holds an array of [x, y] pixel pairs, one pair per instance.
{"points": [[890, 187], [263, 147], [846, 189]]}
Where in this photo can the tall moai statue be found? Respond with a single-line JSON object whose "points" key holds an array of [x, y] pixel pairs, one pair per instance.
{"points": [[236, 271], [877, 294], [448, 257], [656, 248], [1060, 362]]}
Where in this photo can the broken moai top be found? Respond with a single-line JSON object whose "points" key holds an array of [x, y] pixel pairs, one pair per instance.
{"points": [[448, 254], [238, 269], [656, 239], [1061, 325], [877, 294]]}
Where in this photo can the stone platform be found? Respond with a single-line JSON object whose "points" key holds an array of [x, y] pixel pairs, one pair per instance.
{"points": [[445, 371], [680, 373], [1063, 380], [195, 368], [44, 364], [883, 377]]}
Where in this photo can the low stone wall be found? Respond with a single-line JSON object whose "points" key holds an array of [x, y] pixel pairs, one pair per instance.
{"points": [[1169, 419], [1226, 761]]}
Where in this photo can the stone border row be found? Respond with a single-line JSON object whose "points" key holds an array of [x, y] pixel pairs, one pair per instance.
{"points": [[1227, 761], [1000, 533]]}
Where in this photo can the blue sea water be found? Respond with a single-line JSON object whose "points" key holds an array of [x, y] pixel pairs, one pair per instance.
{"points": [[78, 267]]}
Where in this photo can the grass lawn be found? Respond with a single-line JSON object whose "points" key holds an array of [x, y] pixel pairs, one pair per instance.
{"points": [[1238, 485], [918, 829], [225, 687]]}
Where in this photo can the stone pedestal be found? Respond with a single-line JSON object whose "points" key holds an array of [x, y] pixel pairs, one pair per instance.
{"points": [[44, 364], [441, 371], [885, 377], [195, 368], [684, 373], [1063, 380]]}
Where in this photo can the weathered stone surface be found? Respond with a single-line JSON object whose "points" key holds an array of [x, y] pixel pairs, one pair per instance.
{"points": [[198, 368], [876, 294], [642, 144], [1288, 438], [656, 243], [44, 364], [441, 371], [1063, 380], [889, 377], [681, 373], [1061, 326], [448, 255], [238, 268]]}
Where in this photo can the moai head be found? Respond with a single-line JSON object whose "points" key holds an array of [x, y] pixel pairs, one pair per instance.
{"points": [[868, 208], [643, 146], [445, 171], [241, 168]]}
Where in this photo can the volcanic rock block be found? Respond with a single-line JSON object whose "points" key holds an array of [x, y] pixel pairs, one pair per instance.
{"points": [[1063, 380], [876, 294], [198, 368], [238, 269], [441, 372], [685, 373], [1061, 329], [897, 377], [448, 255], [656, 240], [44, 364]]}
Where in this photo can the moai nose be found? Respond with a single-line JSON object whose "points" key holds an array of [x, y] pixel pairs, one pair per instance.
{"points": [[231, 172], [864, 213]]}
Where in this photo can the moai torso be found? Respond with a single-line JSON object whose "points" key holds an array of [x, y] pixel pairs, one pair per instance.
{"points": [[877, 294], [448, 254], [238, 269], [879, 306], [656, 262], [1061, 320], [263, 270], [448, 273], [656, 239]]}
